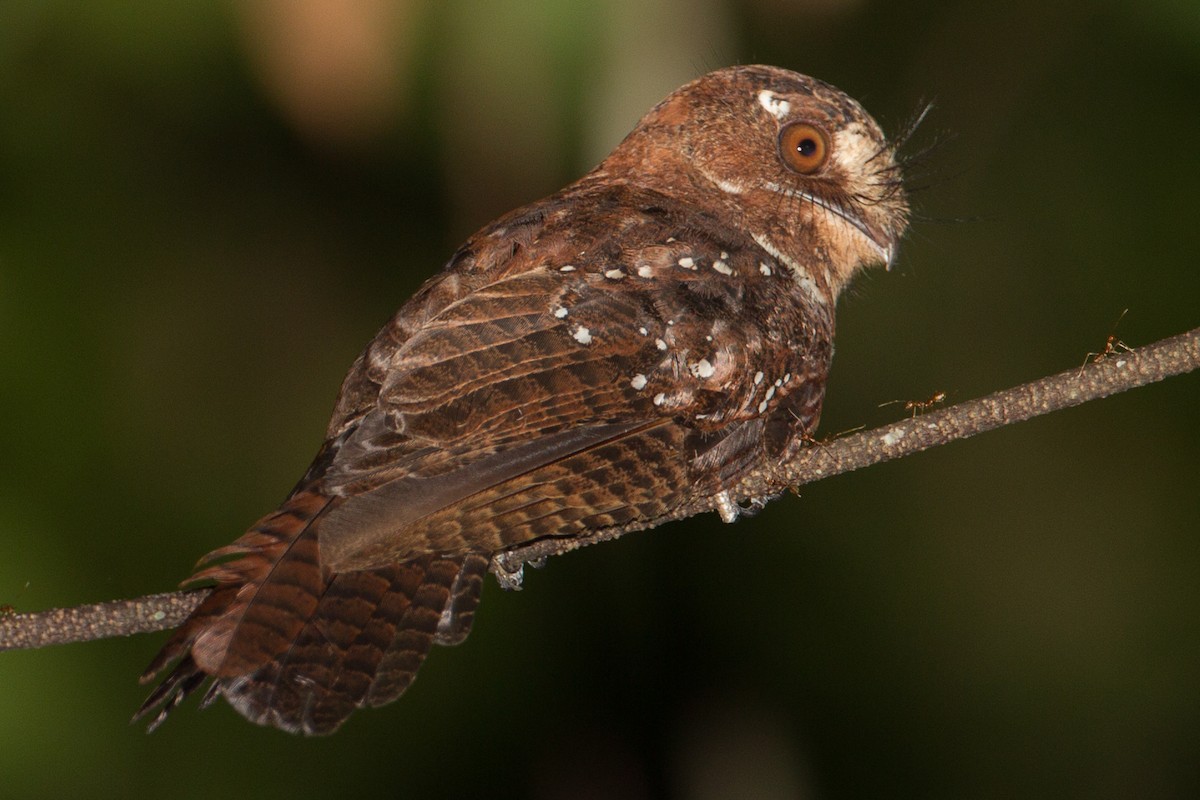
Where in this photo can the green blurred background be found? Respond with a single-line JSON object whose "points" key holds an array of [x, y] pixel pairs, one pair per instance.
{"points": [[207, 209]]}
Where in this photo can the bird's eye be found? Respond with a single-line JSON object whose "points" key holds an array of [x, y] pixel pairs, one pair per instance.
{"points": [[804, 148]]}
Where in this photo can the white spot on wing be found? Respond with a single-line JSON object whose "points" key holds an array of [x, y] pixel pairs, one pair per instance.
{"points": [[645, 271], [582, 335], [687, 262], [702, 368], [614, 274], [560, 312], [638, 382], [722, 267], [758, 376], [566, 268], [660, 344], [659, 399], [764, 268]]}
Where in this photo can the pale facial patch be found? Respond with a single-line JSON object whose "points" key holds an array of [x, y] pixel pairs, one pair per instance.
{"points": [[853, 146], [854, 229]]}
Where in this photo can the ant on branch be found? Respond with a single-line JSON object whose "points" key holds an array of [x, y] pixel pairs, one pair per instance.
{"points": [[919, 406], [1111, 345]]}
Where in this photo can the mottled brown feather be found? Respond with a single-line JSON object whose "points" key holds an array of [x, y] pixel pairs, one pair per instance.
{"points": [[639, 339]]}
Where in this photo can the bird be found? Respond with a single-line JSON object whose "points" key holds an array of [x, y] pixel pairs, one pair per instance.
{"points": [[593, 360]]}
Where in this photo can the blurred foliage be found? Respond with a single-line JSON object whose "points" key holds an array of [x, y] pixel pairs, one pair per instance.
{"points": [[207, 208]]}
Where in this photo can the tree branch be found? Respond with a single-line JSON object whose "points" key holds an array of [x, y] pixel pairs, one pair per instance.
{"points": [[1108, 375]]}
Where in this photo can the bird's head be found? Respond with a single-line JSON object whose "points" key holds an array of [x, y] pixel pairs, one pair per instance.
{"points": [[795, 162]]}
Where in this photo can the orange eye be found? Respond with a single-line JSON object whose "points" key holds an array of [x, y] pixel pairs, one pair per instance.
{"points": [[803, 147]]}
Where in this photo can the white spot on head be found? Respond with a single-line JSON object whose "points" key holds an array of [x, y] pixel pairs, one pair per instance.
{"points": [[758, 376], [582, 335], [687, 262], [645, 271], [566, 268], [702, 368], [560, 312], [614, 274], [659, 399], [891, 437], [660, 344], [722, 267], [638, 382], [774, 106], [764, 268]]}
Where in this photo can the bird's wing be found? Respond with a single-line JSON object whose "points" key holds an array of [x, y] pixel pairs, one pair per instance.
{"points": [[562, 395]]}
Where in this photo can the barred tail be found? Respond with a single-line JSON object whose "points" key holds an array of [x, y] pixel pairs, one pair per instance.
{"points": [[291, 646]]}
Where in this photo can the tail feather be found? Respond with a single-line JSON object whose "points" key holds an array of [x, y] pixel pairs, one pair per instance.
{"points": [[293, 647], [362, 647]]}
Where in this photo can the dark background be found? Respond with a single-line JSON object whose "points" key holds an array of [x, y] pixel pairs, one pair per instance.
{"points": [[207, 208]]}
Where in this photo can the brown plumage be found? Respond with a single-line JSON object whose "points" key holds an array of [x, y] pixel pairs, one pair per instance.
{"points": [[589, 361]]}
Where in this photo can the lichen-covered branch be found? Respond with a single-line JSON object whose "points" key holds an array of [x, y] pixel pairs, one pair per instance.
{"points": [[1114, 373], [154, 612]]}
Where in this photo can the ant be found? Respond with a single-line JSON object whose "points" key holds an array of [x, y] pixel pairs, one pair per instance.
{"points": [[1111, 345], [919, 406], [6, 609]]}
